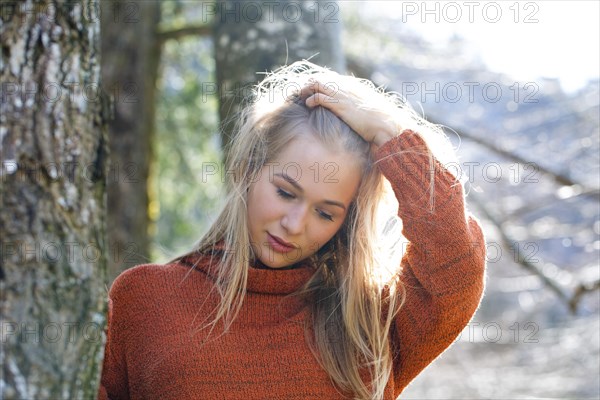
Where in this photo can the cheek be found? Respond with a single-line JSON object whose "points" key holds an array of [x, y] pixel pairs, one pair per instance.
{"points": [[322, 235], [262, 204]]}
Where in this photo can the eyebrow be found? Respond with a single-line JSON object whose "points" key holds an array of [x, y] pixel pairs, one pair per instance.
{"points": [[299, 188]]}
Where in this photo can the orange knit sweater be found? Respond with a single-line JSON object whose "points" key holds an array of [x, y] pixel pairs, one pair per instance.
{"points": [[151, 354]]}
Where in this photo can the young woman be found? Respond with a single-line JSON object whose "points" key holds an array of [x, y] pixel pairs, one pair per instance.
{"points": [[285, 296]]}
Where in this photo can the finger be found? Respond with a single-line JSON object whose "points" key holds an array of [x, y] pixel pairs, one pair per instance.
{"points": [[320, 99], [306, 91], [331, 89]]}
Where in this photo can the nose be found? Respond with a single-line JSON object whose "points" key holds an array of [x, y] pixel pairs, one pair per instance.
{"points": [[294, 220]]}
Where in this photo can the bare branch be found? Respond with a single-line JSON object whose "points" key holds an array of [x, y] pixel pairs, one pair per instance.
{"points": [[556, 176], [548, 202], [192, 30], [582, 289], [507, 242]]}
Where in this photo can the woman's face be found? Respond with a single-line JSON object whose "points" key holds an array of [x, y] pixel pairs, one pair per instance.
{"points": [[301, 198]]}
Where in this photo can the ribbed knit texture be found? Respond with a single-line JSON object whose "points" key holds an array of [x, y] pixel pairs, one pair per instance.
{"points": [[152, 353]]}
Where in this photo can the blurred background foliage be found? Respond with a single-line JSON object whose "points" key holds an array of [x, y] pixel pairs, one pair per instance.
{"points": [[187, 139], [536, 333]]}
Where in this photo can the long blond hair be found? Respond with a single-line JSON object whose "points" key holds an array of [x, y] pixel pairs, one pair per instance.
{"points": [[351, 310]]}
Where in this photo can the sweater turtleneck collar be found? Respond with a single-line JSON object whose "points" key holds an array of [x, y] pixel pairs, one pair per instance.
{"points": [[261, 279]]}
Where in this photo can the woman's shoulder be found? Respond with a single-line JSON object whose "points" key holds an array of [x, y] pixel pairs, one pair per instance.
{"points": [[147, 279]]}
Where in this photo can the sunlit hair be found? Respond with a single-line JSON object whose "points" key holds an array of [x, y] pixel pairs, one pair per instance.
{"points": [[352, 307]]}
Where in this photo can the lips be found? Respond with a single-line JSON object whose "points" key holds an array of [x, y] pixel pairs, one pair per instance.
{"points": [[279, 244]]}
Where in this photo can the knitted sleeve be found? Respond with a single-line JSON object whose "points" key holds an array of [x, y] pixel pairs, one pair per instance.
{"points": [[443, 268], [113, 382]]}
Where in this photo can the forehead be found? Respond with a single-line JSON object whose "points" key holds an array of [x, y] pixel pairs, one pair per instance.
{"points": [[319, 169]]}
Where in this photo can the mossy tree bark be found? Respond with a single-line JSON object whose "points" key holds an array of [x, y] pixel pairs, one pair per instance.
{"points": [[253, 37], [53, 190]]}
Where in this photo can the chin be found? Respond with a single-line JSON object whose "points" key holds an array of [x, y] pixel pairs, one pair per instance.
{"points": [[279, 262], [275, 264], [269, 258]]}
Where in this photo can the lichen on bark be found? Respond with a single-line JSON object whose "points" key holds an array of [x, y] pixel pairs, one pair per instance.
{"points": [[53, 180]]}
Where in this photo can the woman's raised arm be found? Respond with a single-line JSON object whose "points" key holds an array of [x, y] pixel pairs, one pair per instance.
{"points": [[443, 268]]}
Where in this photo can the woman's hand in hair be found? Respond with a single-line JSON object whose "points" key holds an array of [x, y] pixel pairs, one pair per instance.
{"points": [[372, 125]]}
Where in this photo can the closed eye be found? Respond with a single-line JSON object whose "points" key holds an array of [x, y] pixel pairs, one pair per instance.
{"points": [[325, 216], [284, 194], [289, 196]]}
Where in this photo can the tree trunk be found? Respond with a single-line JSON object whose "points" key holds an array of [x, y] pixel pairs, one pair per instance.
{"points": [[53, 182], [130, 58], [253, 37]]}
